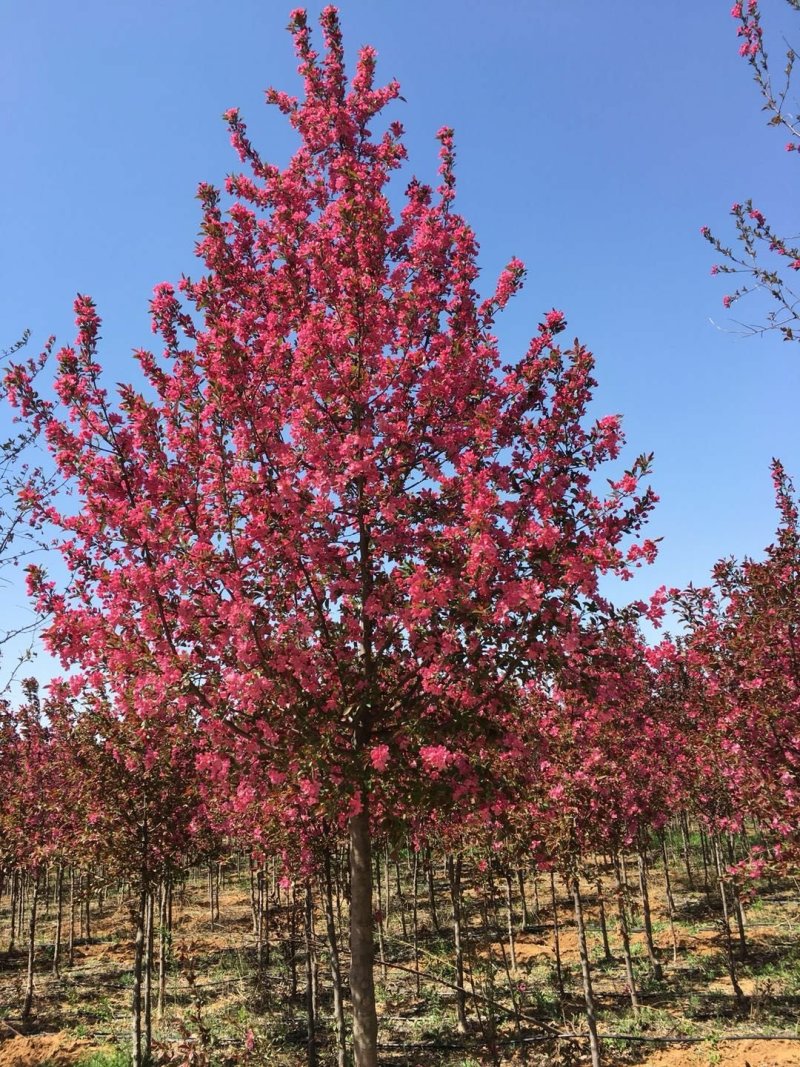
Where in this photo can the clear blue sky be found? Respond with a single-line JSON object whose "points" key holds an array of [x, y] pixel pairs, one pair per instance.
{"points": [[593, 142]]}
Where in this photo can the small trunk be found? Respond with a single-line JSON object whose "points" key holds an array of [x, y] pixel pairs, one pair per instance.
{"points": [[13, 911], [148, 973], [253, 898], [138, 1053], [311, 1012], [381, 916], [432, 893], [415, 916], [362, 949], [336, 975], [591, 1015], [737, 905], [624, 934], [670, 900], [686, 850], [526, 919], [607, 954], [28, 1004], [71, 944], [59, 918], [704, 849], [401, 900], [454, 878], [655, 967], [163, 945], [556, 937], [386, 910], [726, 928], [293, 934], [512, 942], [87, 903]]}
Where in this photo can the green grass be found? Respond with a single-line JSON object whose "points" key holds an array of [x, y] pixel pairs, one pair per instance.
{"points": [[108, 1058]]}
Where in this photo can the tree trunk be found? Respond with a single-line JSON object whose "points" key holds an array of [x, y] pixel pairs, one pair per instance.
{"points": [[655, 966], [86, 907], [591, 1015], [686, 850], [670, 899], [71, 945], [137, 1059], [415, 916], [737, 905], [510, 917], [607, 954], [12, 938], [59, 919], [526, 919], [381, 916], [163, 945], [726, 928], [626, 941], [311, 1007], [454, 877], [28, 1004], [556, 938], [432, 892], [148, 972], [336, 974], [362, 949]]}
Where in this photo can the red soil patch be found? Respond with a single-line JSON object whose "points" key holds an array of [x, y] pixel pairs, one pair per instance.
{"points": [[729, 1054], [56, 1050]]}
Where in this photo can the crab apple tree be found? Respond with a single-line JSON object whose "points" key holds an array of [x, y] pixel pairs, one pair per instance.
{"points": [[333, 524], [744, 644]]}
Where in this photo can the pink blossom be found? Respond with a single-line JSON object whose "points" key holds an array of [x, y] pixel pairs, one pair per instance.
{"points": [[379, 757], [435, 757]]}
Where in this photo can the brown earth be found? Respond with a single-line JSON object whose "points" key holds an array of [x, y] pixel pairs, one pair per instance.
{"points": [[56, 1050], [101, 965], [729, 1054]]}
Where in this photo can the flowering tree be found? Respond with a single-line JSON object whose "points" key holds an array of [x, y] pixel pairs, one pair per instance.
{"points": [[764, 261], [746, 643], [334, 526]]}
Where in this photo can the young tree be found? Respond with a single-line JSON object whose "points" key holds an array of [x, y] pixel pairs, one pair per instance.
{"points": [[334, 525], [745, 639]]}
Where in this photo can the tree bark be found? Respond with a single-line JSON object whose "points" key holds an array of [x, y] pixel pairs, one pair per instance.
{"points": [[655, 966], [336, 973], [454, 877], [591, 1015], [556, 938], [71, 945], [163, 945], [137, 1059], [626, 941], [28, 1004], [311, 1007], [670, 898], [148, 972], [362, 948], [512, 943], [526, 920], [59, 890], [607, 954]]}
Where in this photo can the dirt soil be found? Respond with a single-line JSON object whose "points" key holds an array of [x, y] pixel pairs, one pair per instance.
{"points": [[56, 1050], [729, 1054]]}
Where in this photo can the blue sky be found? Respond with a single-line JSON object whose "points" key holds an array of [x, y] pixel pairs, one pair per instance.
{"points": [[593, 142]]}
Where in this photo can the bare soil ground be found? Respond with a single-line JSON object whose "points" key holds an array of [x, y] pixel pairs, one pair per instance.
{"points": [[213, 998]]}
